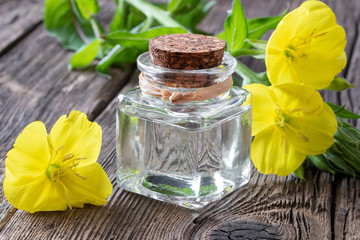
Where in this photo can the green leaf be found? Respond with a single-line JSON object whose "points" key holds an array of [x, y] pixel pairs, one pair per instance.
{"points": [[255, 53], [258, 26], [320, 162], [222, 36], [181, 6], [339, 84], [341, 112], [264, 78], [193, 17], [338, 164], [173, 5], [105, 63], [348, 133], [85, 55], [343, 156], [258, 44], [140, 40], [236, 29], [157, 13], [162, 5], [87, 8], [117, 55], [299, 173], [250, 76], [350, 153], [61, 23], [134, 18], [258, 53], [119, 20]]}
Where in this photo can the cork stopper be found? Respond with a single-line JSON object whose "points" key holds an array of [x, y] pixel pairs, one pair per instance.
{"points": [[186, 51]]}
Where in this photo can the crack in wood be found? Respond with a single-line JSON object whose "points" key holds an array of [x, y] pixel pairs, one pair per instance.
{"points": [[333, 206], [245, 230], [346, 220], [7, 217]]}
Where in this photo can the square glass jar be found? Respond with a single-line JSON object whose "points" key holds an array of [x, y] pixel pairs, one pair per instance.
{"points": [[188, 154]]}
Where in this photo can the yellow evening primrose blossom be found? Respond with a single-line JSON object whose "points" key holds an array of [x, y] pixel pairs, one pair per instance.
{"points": [[306, 47], [56, 171], [290, 121]]}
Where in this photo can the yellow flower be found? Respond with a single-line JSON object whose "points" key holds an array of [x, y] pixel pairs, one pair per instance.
{"points": [[306, 47], [56, 171], [290, 121]]}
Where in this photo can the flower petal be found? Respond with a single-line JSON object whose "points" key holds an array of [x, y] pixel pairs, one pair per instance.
{"points": [[91, 186], [316, 17], [263, 113], [272, 153], [33, 195], [320, 70], [312, 135], [298, 99], [76, 135], [30, 155], [279, 70]]}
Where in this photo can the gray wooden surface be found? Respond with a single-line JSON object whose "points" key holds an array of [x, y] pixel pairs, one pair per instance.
{"points": [[36, 85]]}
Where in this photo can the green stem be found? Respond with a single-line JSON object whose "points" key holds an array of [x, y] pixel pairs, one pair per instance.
{"points": [[95, 27], [157, 13], [246, 73], [251, 52], [76, 24]]}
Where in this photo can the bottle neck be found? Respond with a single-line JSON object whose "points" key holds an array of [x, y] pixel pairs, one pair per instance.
{"points": [[180, 95], [181, 86]]}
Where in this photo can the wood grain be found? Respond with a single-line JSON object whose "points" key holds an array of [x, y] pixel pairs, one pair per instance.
{"points": [[347, 205], [17, 22], [351, 97], [35, 85]]}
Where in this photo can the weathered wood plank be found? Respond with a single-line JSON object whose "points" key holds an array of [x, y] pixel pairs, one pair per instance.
{"points": [[347, 202], [268, 207], [17, 22], [128, 215], [346, 206], [347, 209], [351, 97]]}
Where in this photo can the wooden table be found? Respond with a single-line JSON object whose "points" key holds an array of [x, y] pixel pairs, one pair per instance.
{"points": [[36, 85]]}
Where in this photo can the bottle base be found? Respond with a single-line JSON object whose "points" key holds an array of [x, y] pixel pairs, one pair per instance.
{"points": [[190, 192]]}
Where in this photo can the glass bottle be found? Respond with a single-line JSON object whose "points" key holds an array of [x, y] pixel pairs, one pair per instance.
{"points": [[190, 153]]}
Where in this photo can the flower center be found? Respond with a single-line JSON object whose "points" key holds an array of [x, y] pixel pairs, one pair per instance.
{"points": [[53, 172], [292, 53], [298, 46], [63, 163], [281, 118]]}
